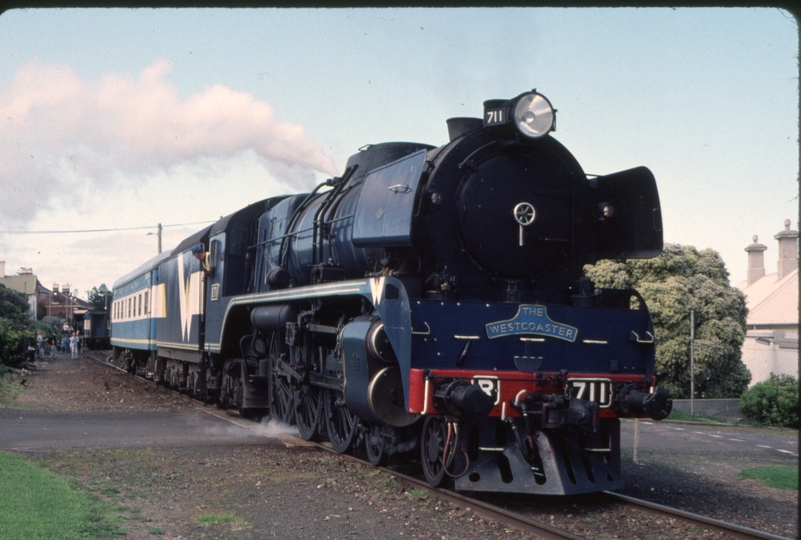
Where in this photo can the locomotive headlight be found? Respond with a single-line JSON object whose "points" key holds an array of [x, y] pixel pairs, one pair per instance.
{"points": [[534, 116]]}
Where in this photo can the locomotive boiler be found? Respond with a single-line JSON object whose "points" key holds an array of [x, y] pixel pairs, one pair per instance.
{"points": [[429, 303]]}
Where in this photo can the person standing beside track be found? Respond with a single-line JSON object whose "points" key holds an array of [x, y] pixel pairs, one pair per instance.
{"points": [[40, 346], [53, 348], [74, 345]]}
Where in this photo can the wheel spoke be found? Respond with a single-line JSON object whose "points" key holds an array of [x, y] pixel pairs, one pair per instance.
{"points": [[431, 449], [281, 396], [341, 423], [308, 412], [375, 445]]}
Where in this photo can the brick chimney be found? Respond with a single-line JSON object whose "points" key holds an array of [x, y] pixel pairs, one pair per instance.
{"points": [[65, 289], [788, 250], [55, 288], [756, 261]]}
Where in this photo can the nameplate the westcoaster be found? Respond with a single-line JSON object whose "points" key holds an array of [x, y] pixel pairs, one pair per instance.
{"points": [[531, 319]]}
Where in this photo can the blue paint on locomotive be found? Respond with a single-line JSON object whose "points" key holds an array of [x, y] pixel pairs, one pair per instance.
{"points": [[340, 288], [229, 244], [605, 343], [386, 203]]}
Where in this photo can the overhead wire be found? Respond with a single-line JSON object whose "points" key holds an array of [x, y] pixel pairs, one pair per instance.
{"points": [[107, 230]]}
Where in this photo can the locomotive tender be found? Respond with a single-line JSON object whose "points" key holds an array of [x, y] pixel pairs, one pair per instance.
{"points": [[429, 300]]}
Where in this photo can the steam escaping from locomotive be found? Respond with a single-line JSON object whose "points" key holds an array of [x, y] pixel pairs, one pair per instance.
{"points": [[118, 126], [429, 301]]}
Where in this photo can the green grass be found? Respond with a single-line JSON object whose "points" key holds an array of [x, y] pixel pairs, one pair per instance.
{"points": [[417, 494], [37, 504], [775, 476], [685, 417], [9, 390]]}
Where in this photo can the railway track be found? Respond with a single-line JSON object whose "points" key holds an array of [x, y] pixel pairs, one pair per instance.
{"points": [[696, 520], [544, 530], [518, 521]]}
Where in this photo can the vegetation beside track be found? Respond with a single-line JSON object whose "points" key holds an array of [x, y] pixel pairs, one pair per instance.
{"points": [[775, 476], [9, 389], [35, 503]]}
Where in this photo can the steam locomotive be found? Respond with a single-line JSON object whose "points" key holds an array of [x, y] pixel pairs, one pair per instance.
{"points": [[429, 303]]}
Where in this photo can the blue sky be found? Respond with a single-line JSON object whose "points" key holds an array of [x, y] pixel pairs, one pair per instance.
{"points": [[127, 118]]}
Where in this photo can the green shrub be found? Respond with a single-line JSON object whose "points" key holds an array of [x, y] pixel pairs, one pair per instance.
{"points": [[14, 343], [773, 402], [16, 330]]}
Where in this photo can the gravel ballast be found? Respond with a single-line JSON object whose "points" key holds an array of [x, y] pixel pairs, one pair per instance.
{"points": [[256, 490]]}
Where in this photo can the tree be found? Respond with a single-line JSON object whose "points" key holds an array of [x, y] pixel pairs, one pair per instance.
{"points": [[16, 332], [678, 281], [97, 296]]}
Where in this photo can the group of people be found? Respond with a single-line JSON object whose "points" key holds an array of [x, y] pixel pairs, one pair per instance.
{"points": [[70, 343]]}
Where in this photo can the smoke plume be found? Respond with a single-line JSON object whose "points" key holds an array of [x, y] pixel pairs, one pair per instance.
{"points": [[59, 132]]}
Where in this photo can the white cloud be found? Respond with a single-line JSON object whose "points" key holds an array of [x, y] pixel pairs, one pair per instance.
{"points": [[60, 134]]}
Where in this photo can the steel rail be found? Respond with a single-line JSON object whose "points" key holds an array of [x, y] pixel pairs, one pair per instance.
{"points": [[480, 508], [106, 362], [543, 530], [738, 531]]}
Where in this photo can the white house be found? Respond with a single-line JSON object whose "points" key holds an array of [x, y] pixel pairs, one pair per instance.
{"points": [[771, 343]]}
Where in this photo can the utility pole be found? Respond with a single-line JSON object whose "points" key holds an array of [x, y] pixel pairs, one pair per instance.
{"points": [[159, 235], [692, 362]]}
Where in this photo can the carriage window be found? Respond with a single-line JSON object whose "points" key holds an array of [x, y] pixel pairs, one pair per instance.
{"points": [[140, 304], [147, 304], [129, 307]]}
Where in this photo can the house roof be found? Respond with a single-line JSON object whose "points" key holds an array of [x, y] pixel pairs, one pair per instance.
{"points": [[772, 301], [24, 283]]}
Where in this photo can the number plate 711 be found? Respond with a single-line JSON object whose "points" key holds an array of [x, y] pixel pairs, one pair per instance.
{"points": [[598, 390]]}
